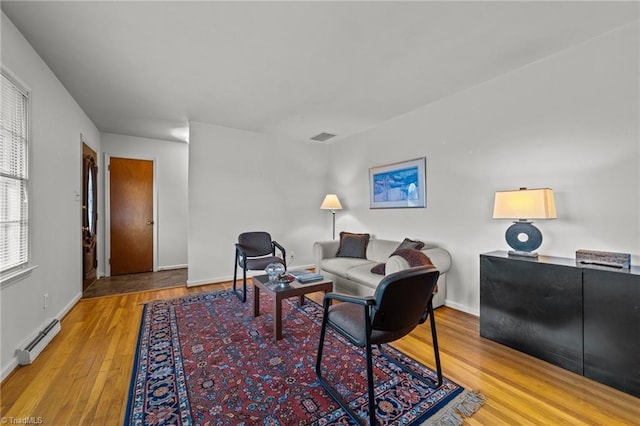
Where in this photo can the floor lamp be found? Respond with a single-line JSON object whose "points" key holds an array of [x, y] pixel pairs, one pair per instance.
{"points": [[331, 202]]}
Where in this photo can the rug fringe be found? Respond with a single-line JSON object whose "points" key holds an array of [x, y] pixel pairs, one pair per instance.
{"points": [[454, 413]]}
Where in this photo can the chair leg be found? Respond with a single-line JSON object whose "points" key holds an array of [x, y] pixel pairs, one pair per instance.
{"points": [[436, 352], [367, 347], [244, 285], [325, 385], [242, 298], [235, 273], [323, 329], [370, 387]]}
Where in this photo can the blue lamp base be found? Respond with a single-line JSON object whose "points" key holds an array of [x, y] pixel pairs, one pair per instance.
{"points": [[523, 238]]}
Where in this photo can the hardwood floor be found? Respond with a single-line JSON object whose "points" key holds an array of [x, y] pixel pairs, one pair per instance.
{"points": [[82, 377]]}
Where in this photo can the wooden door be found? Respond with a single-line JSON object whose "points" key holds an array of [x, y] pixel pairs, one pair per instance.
{"points": [[89, 216], [131, 213]]}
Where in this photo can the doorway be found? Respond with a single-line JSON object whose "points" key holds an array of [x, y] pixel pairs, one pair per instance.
{"points": [[131, 215], [89, 216]]}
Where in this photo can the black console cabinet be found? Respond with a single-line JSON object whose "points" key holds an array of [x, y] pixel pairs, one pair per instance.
{"points": [[533, 306], [612, 328], [582, 319]]}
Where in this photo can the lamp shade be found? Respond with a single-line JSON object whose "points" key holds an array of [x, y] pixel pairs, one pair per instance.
{"points": [[331, 202], [525, 204]]}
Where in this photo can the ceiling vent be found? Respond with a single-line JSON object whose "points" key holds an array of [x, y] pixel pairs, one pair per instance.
{"points": [[323, 137]]}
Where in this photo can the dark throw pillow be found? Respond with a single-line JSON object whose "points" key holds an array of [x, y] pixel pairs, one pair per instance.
{"points": [[353, 245], [379, 268], [405, 244], [409, 244]]}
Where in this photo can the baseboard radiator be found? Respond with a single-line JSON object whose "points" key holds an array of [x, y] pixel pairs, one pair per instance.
{"points": [[33, 349]]}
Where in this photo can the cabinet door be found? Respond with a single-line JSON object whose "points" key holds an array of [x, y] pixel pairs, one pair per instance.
{"points": [[534, 307], [612, 329]]}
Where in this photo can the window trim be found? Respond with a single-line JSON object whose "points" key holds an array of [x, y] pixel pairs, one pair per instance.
{"points": [[23, 270], [16, 274]]}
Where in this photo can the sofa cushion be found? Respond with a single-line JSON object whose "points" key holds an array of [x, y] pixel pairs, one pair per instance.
{"points": [[353, 245], [340, 265], [379, 250], [363, 276]]}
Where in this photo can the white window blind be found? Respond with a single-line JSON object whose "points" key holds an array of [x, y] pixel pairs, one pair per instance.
{"points": [[14, 216]]}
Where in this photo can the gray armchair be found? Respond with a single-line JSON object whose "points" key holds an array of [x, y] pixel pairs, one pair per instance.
{"points": [[254, 251], [401, 302]]}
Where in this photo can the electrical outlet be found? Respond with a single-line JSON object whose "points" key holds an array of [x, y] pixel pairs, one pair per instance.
{"points": [[45, 301]]}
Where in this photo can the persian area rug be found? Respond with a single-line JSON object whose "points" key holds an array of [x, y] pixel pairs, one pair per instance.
{"points": [[204, 360]]}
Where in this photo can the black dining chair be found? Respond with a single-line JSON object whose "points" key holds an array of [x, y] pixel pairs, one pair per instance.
{"points": [[402, 301], [254, 251]]}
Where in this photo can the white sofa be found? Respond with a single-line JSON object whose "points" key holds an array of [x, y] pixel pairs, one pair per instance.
{"points": [[354, 276]]}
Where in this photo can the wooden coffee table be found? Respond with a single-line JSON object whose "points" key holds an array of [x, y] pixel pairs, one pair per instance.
{"points": [[280, 292]]}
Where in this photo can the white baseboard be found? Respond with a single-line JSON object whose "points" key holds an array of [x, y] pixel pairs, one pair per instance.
{"points": [[170, 267], [65, 310], [13, 363], [205, 281], [227, 278], [463, 308], [304, 267]]}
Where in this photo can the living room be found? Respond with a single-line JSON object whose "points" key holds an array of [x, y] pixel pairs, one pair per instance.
{"points": [[568, 120]]}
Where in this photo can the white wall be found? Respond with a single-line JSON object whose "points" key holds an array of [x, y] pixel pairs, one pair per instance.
{"points": [[568, 122], [55, 177], [171, 165], [243, 181]]}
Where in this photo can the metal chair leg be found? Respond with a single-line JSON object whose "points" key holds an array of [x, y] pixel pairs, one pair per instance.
{"points": [[242, 298], [370, 387], [235, 273], [244, 285], [436, 350], [323, 329]]}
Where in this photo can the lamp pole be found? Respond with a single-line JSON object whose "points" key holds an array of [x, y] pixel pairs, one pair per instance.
{"points": [[334, 223]]}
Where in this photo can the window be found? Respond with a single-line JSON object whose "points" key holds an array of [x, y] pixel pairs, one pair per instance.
{"points": [[14, 212]]}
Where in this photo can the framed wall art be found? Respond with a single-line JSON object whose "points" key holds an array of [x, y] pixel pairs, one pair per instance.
{"points": [[398, 185]]}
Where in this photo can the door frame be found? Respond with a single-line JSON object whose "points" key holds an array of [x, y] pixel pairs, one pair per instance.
{"points": [[107, 209], [83, 212]]}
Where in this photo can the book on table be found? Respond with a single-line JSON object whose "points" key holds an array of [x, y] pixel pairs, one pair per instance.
{"points": [[306, 276]]}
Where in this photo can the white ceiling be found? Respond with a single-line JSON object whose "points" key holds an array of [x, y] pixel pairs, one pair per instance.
{"points": [[293, 69]]}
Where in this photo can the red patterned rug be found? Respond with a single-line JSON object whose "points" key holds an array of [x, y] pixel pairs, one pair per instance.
{"points": [[204, 360]]}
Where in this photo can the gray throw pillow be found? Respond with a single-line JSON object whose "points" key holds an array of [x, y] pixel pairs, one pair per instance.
{"points": [[353, 245]]}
